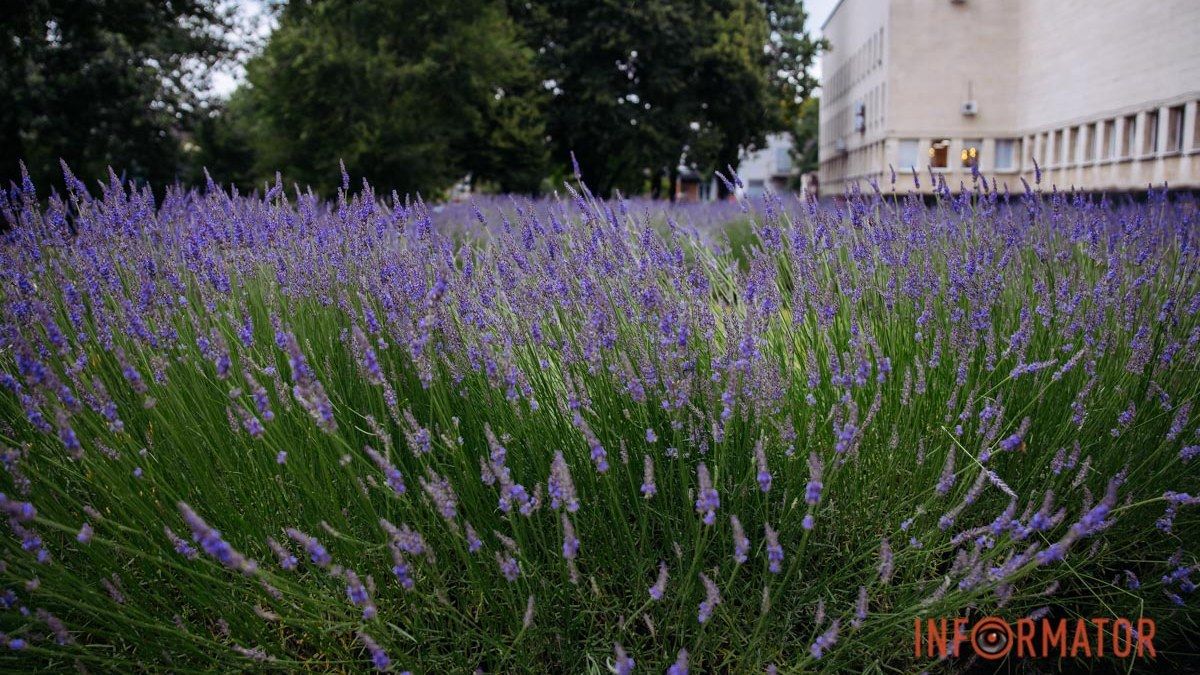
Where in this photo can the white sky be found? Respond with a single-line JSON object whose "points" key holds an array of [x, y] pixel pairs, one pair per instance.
{"points": [[818, 11], [256, 24]]}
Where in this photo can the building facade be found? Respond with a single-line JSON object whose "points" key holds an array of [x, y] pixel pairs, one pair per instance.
{"points": [[768, 169], [1101, 93]]}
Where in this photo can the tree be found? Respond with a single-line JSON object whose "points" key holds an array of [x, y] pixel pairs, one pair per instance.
{"points": [[636, 86], [805, 133], [414, 95], [104, 83]]}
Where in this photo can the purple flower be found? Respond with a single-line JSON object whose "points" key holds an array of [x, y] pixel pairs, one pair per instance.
{"points": [[812, 491], [741, 543], [212, 544], [509, 566], [660, 586], [401, 569], [394, 480], [570, 547], [707, 500], [622, 664], [85, 533], [860, 608], [764, 475], [441, 494], [474, 543], [358, 595], [181, 546], [316, 552], [680, 667], [712, 598], [649, 489], [379, 658], [286, 559], [774, 551], [886, 561], [560, 485], [825, 641], [946, 482]]}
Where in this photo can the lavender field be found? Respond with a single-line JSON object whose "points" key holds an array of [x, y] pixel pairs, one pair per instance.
{"points": [[575, 435]]}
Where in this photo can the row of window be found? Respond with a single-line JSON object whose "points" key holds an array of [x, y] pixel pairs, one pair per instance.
{"points": [[864, 60], [859, 163], [1126, 137], [1006, 151], [1116, 138]]}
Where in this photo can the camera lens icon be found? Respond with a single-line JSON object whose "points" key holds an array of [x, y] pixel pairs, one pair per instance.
{"points": [[992, 638]]}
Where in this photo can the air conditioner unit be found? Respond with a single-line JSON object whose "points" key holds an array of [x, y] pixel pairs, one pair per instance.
{"points": [[839, 145], [970, 108]]}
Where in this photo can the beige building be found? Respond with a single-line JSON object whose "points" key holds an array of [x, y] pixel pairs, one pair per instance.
{"points": [[1103, 93]]}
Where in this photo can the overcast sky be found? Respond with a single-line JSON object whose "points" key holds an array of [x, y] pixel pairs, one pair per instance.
{"points": [[256, 25]]}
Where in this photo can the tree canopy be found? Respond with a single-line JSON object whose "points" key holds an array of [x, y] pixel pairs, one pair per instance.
{"points": [[99, 83], [414, 94]]}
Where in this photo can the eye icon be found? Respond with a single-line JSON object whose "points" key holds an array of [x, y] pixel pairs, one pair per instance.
{"points": [[992, 638]]}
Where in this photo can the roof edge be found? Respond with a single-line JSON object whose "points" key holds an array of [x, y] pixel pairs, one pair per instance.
{"points": [[831, 13]]}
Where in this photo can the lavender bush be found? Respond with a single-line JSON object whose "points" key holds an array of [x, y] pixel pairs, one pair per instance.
{"points": [[577, 435]]}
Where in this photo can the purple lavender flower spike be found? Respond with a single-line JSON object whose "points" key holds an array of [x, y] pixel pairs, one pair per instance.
{"points": [[680, 667], [379, 657], [560, 485], [212, 544], [741, 543], [764, 475], [316, 552], [660, 586], [712, 598], [707, 500], [622, 663], [825, 641], [774, 551], [649, 489]]}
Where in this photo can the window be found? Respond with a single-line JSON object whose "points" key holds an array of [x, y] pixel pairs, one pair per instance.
{"points": [[906, 159], [1129, 136], [970, 152], [1068, 156], [1150, 138], [1108, 139], [783, 160], [1050, 147], [1089, 142], [1196, 127], [939, 153], [1006, 154], [1174, 129]]}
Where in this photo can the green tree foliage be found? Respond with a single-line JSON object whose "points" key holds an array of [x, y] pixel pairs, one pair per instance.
{"points": [[635, 86], [413, 94], [805, 134], [100, 83]]}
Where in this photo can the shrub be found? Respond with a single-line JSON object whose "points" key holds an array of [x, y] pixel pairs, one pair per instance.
{"points": [[571, 435]]}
